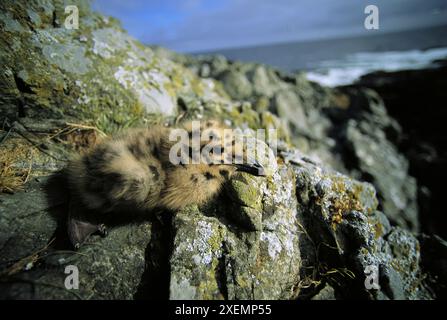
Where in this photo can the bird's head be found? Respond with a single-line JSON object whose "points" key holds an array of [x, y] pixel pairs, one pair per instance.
{"points": [[221, 149], [207, 155]]}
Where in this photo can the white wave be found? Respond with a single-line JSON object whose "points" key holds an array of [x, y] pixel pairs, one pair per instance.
{"points": [[345, 71]]}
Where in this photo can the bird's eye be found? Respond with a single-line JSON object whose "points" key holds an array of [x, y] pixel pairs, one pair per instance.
{"points": [[223, 173]]}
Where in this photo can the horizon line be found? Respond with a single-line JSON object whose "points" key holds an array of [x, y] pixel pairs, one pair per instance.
{"points": [[286, 42]]}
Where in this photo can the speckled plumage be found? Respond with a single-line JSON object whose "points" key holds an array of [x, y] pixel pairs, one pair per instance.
{"points": [[133, 169]]}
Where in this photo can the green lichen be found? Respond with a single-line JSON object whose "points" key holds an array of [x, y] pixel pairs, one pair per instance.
{"points": [[247, 192]]}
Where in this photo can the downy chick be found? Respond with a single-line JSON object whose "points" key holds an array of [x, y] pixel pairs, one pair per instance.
{"points": [[144, 169]]}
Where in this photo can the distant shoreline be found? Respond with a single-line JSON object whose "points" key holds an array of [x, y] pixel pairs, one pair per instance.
{"points": [[441, 29], [305, 56]]}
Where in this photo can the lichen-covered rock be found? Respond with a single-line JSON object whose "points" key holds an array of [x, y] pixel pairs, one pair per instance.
{"points": [[350, 237], [387, 169], [216, 256], [236, 84], [96, 72], [415, 98]]}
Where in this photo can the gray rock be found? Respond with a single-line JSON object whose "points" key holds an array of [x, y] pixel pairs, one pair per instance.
{"points": [[25, 225], [236, 84], [264, 81], [388, 170], [32, 266], [350, 236], [287, 105], [215, 257]]}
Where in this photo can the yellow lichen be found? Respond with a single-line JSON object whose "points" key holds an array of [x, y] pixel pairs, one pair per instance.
{"points": [[378, 230], [346, 201]]}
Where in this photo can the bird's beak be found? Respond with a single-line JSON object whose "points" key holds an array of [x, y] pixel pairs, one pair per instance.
{"points": [[254, 168]]}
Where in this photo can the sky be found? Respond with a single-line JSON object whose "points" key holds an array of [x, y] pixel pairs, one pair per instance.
{"points": [[205, 25]]}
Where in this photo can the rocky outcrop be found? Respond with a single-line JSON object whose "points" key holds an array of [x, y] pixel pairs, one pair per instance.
{"points": [[347, 128], [416, 99], [96, 72], [248, 250], [338, 205]]}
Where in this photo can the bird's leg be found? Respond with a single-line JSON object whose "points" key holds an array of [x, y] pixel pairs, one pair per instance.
{"points": [[79, 228]]}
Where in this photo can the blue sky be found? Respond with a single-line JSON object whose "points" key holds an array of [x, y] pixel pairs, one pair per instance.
{"points": [[200, 25]]}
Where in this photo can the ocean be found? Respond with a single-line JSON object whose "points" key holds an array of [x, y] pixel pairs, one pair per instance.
{"points": [[342, 61]]}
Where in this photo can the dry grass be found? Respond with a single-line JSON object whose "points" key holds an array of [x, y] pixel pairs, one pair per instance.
{"points": [[17, 153], [16, 161], [13, 176], [10, 180], [78, 136]]}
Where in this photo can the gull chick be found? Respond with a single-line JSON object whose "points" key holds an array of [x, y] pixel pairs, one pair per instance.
{"points": [[146, 169]]}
